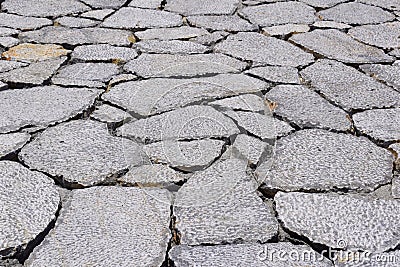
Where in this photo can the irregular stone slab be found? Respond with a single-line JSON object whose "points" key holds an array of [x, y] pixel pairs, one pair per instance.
{"points": [[305, 108], [390, 74], [7, 31], [103, 52], [280, 13], [145, 3], [331, 24], [6, 65], [101, 220], [220, 205], [338, 45], [148, 97], [286, 29], [247, 102], [81, 152], [251, 148], [330, 218], [154, 175], [222, 23], [29, 203], [72, 36], [349, 88], [104, 3], [16, 109], [98, 14], [110, 114], [328, 161], [322, 4], [35, 52], [276, 74], [193, 122], [384, 35], [388, 4], [124, 77], [74, 22], [171, 47], [205, 7], [133, 18], [153, 65], [184, 32], [23, 22], [8, 41], [259, 48], [210, 39], [12, 142], [380, 124]]}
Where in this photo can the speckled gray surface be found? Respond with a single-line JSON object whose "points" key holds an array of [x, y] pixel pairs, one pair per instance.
{"points": [[11, 142]]}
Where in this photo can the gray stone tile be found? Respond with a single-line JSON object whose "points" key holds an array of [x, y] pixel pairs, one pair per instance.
{"points": [[146, 3], [7, 65], [246, 102], [171, 47], [110, 114], [105, 3], [10, 143], [124, 77], [386, 73], [388, 4], [103, 52], [210, 39], [35, 52], [286, 29], [276, 74], [322, 4], [8, 41], [331, 24], [384, 35], [202, 7], [7, 31], [222, 23], [98, 14], [74, 22], [23, 22], [250, 148], [184, 32]]}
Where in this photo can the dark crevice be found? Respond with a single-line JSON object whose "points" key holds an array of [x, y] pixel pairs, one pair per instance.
{"points": [[175, 239]]}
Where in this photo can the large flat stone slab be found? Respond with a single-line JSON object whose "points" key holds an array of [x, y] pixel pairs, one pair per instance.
{"points": [[23, 22], [10, 143], [103, 52], [171, 47], [251, 149], [110, 114], [7, 65], [387, 4], [390, 74], [384, 35], [276, 74], [323, 4], [222, 23], [247, 102], [202, 7], [105, 3], [35, 52], [184, 32], [286, 29]]}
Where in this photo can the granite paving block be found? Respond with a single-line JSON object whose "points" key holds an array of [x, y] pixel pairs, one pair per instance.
{"points": [[384, 35], [184, 32], [12, 142], [202, 7]]}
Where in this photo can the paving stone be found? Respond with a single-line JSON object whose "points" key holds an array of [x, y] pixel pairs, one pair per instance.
{"points": [[384, 35], [280, 13], [380, 124], [171, 47], [35, 52], [23, 22], [153, 65], [247, 102], [250, 148], [146, 3], [210, 39], [110, 114], [328, 161], [259, 48], [105, 3], [8, 41], [222, 23], [74, 22], [331, 24], [7, 31], [124, 77], [133, 18], [305, 108], [286, 29], [43, 8], [338, 45], [276, 74], [184, 32], [153, 175], [356, 13], [81, 152], [7, 65], [98, 14], [388, 4], [365, 224], [100, 221], [186, 156], [255, 255], [202, 7], [103, 52], [349, 88], [193, 122], [148, 97], [10, 143], [73, 36], [17, 110], [387, 73], [29, 203], [322, 4]]}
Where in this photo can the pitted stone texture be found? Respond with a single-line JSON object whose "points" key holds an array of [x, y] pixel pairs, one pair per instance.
{"points": [[153, 65], [103, 52], [10, 143], [328, 161], [380, 124], [222, 23], [187, 156], [250, 148], [104, 3], [81, 152], [132, 18], [171, 47], [43, 8], [153, 175], [366, 224], [193, 122], [242, 102], [396, 184], [146, 3], [73, 36], [305, 108], [98, 14], [148, 97], [23, 23], [74, 22], [17, 109], [259, 48], [383, 35], [255, 255], [202, 7], [388, 4], [389, 74], [323, 4], [276, 74], [184, 32], [280, 13], [210, 39], [220, 205], [286, 29], [35, 52], [349, 88], [6, 65], [331, 24], [110, 114], [338, 45], [29, 203], [8, 41], [99, 221]]}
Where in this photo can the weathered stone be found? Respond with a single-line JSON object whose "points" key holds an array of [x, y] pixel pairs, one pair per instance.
{"points": [[384, 35], [338, 45], [103, 52], [17, 109], [35, 52], [184, 32], [124, 77], [193, 122], [210, 39], [8, 41], [349, 88], [331, 24], [10, 143], [305, 108], [390, 74], [380, 124], [7, 65], [286, 29], [280, 13], [23, 22], [388, 4], [74, 22], [242, 102], [322, 4], [220, 205], [171, 47], [145, 3], [250, 148], [321, 160], [110, 114], [259, 48], [151, 175], [98, 14], [222, 23], [276, 74], [105, 3], [98, 222], [148, 97], [202, 7], [29, 202], [357, 223], [153, 65], [7, 31], [81, 152], [132, 18]]}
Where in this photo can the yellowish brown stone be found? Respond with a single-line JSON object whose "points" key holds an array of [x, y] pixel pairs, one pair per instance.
{"points": [[35, 52]]}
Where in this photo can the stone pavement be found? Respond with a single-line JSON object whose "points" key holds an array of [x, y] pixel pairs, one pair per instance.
{"points": [[205, 133]]}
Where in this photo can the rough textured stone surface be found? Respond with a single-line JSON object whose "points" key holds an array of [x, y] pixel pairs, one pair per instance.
{"points": [[10, 143], [220, 205], [276, 74], [222, 23], [98, 14], [366, 224], [10, 263], [210, 39], [286, 29], [323, 4], [328, 161], [202, 7], [103, 52], [260, 48], [124, 77], [6, 65], [145, 3], [81, 152], [23, 23], [184, 32], [380, 124], [152, 175], [102, 220], [8, 41], [396, 185], [331, 24], [350, 89], [35, 52], [242, 102], [29, 203], [383, 35], [306, 108], [338, 45], [388, 4], [110, 114], [171, 47], [104, 3], [74, 22], [390, 74], [7, 31], [250, 148]]}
